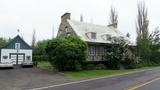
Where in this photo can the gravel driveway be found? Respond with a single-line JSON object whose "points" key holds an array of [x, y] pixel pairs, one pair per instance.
{"points": [[28, 78]]}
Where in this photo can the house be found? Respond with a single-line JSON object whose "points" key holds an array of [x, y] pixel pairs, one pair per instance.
{"points": [[98, 37], [16, 50]]}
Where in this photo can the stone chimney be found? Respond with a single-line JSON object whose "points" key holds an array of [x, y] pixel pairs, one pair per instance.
{"points": [[65, 16]]}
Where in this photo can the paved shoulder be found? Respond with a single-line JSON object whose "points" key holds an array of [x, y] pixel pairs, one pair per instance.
{"points": [[26, 78]]}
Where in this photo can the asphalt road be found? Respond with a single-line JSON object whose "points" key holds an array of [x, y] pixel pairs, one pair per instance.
{"points": [[26, 78], [155, 85], [121, 82]]}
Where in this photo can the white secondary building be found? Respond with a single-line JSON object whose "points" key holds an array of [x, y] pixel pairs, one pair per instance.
{"points": [[16, 50]]}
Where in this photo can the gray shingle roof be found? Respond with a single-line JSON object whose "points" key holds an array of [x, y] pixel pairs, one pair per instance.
{"points": [[82, 29]]}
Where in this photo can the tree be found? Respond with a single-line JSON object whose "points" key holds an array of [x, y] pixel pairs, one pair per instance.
{"points": [[67, 53], [143, 49], [33, 38], [120, 56], [113, 17], [39, 53], [142, 21], [2, 42], [154, 39], [114, 56]]}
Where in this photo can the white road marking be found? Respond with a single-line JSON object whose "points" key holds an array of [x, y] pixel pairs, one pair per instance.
{"points": [[144, 84]]}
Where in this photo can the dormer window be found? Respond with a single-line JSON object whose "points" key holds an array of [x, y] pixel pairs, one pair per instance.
{"points": [[93, 35], [17, 45], [108, 37]]}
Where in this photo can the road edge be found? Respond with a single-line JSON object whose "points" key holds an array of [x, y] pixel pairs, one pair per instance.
{"points": [[92, 79]]}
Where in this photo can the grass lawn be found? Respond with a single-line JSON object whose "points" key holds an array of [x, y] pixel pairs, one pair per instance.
{"points": [[99, 73], [89, 73], [92, 73]]}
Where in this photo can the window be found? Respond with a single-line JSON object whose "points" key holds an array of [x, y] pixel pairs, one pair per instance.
{"points": [[5, 57], [28, 57], [93, 35], [92, 58], [105, 51], [108, 37], [17, 45], [98, 51], [101, 51], [92, 50]]}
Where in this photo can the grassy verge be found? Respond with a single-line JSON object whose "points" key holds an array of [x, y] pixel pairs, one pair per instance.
{"points": [[99, 73], [89, 73], [45, 65]]}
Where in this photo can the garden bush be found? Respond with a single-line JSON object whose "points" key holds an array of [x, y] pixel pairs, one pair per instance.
{"points": [[100, 67], [114, 56], [67, 53], [131, 62], [88, 67], [121, 57]]}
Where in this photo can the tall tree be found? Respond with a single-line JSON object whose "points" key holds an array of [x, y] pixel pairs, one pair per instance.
{"points": [[113, 17], [33, 38], [142, 21], [143, 44], [154, 38]]}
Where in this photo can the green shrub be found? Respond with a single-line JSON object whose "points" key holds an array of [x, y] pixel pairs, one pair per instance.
{"points": [[113, 64], [155, 55], [67, 53], [38, 58], [100, 67], [39, 53], [114, 56], [121, 56], [131, 62], [144, 49], [89, 67]]}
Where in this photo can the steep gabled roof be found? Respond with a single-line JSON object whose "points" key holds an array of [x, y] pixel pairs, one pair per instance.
{"points": [[17, 39], [82, 29]]}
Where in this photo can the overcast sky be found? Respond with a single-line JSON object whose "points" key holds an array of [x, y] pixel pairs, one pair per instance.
{"points": [[44, 15]]}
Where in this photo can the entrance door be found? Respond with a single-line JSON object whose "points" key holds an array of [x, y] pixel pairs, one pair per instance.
{"points": [[17, 58]]}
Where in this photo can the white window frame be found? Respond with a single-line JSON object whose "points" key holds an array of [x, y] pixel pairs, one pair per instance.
{"points": [[17, 46]]}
